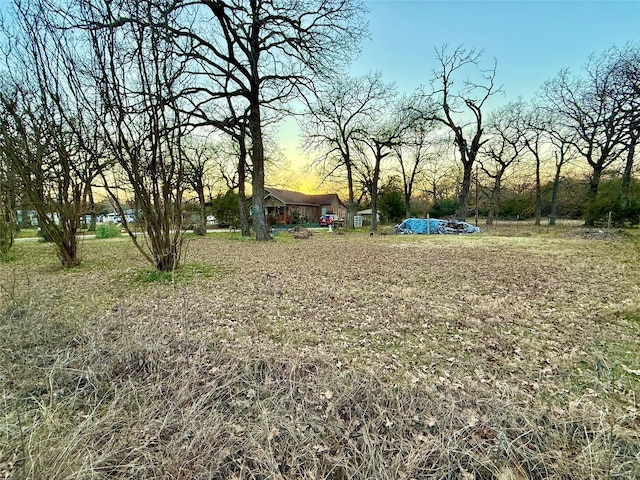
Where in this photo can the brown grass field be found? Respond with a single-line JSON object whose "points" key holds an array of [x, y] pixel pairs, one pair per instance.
{"points": [[512, 354]]}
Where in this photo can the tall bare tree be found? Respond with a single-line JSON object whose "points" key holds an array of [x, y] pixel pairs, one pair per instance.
{"points": [[533, 126], [383, 136], [502, 150], [337, 119], [199, 158], [593, 111], [260, 54], [626, 71], [441, 172], [563, 152], [232, 167], [417, 148], [460, 109]]}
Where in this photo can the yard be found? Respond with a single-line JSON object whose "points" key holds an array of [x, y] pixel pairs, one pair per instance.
{"points": [[512, 354]]}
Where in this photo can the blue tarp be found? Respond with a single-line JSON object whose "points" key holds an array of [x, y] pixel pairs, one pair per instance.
{"points": [[434, 225]]}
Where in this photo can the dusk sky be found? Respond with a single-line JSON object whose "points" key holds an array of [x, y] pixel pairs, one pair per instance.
{"points": [[531, 40]]}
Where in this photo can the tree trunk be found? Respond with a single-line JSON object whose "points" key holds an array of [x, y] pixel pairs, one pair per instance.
{"points": [[408, 187], [465, 186], [538, 193], [7, 210], [245, 229], [92, 210], [554, 196], [6, 228], [203, 210], [493, 199], [374, 194], [407, 205], [257, 177], [594, 183], [351, 202], [68, 250], [628, 169]]}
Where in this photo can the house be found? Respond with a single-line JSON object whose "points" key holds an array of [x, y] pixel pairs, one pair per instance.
{"points": [[285, 205]]}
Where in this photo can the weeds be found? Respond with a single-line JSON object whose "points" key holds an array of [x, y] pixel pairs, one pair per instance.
{"points": [[336, 358]]}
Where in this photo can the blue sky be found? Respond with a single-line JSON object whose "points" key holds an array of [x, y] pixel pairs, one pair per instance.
{"points": [[531, 40]]}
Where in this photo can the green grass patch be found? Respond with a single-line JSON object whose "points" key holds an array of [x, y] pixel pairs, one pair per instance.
{"points": [[611, 372], [631, 316], [27, 233], [7, 257], [107, 231]]}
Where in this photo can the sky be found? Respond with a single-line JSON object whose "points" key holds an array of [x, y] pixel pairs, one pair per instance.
{"points": [[531, 41]]}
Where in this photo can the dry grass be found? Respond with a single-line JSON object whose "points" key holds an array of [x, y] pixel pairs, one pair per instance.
{"points": [[507, 355]]}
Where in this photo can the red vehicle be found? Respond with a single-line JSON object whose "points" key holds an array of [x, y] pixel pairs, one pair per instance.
{"points": [[330, 219]]}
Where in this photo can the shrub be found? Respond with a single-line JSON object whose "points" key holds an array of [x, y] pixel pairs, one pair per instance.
{"points": [[107, 231], [444, 208], [597, 213], [517, 205]]}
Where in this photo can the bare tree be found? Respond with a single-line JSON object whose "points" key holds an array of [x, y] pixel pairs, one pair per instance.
{"points": [[413, 152], [382, 137], [260, 54], [232, 168], [42, 127], [449, 106], [533, 126], [563, 152], [136, 76], [592, 110], [502, 150], [626, 71], [199, 157], [441, 172], [336, 120]]}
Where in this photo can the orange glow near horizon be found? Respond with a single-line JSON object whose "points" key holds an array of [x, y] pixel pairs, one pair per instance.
{"points": [[293, 173]]}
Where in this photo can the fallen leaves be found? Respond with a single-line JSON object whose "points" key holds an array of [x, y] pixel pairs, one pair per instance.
{"points": [[357, 353]]}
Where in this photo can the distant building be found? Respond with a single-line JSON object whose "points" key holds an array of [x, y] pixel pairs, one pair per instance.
{"points": [[283, 205], [367, 214], [24, 217]]}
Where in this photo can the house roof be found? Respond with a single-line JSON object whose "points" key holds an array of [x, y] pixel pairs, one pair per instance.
{"points": [[289, 197], [367, 211]]}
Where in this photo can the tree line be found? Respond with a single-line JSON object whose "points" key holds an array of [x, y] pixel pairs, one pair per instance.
{"points": [[446, 139], [141, 100]]}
